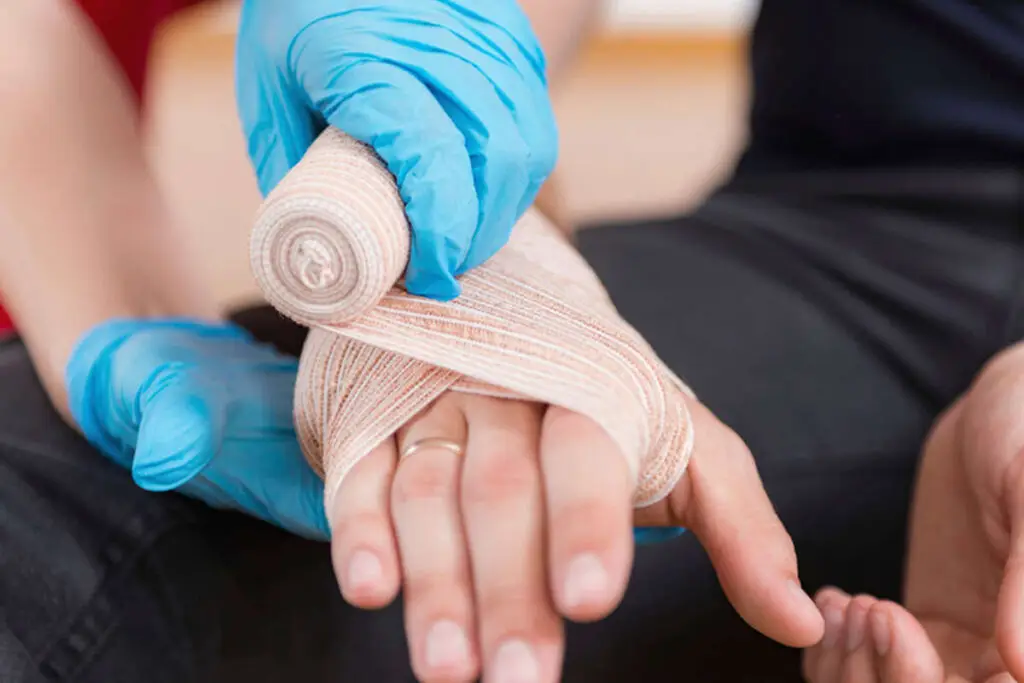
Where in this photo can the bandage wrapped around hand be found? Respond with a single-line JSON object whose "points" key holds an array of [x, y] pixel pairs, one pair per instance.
{"points": [[328, 249]]}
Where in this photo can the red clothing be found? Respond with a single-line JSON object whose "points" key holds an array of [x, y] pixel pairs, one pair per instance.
{"points": [[127, 26]]}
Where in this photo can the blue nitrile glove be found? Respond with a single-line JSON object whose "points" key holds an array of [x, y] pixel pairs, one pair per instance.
{"points": [[649, 535], [452, 95], [199, 408]]}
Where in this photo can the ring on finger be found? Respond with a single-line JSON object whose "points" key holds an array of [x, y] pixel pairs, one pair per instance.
{"points": [[431, 442]]}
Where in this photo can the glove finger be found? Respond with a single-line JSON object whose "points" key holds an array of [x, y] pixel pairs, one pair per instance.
{"points": [[540, 132], [283, 491], [518, 75], [297, 501], [262, 400], [389, 109], [476, 85], [181, 430], [278, 125], [96, 402], [499, 156], [287, 491], [506, 55]]}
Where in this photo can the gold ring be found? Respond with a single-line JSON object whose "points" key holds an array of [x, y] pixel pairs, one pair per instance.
{"points": [[445, 444]]}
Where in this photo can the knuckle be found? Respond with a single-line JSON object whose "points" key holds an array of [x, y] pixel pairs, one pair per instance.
{"points": [[509, 158], [507, 602], [517, 609], [436, 588], [501, 475], [543, 160], [352, 527], [784, 545], [506, 148], [561, 420], [734, 445], [586, 523], [421, 478]]}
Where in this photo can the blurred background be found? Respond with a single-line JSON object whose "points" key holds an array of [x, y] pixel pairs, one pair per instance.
{"points": [[652, 116]]}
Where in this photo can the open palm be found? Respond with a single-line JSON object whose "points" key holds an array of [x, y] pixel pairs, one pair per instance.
{"points": [[963, 619]]}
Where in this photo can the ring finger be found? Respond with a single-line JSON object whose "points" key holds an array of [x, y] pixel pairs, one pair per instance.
{"points": [[438, 588]]}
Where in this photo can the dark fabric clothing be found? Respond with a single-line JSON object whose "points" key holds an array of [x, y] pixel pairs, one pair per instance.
{"points": [[888, 82], [825, 317]]}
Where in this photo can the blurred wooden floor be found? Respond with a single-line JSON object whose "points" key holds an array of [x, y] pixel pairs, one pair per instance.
{"points": [[648, 124]]}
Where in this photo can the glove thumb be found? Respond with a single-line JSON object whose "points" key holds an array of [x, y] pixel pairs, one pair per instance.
{"points": [[180, 432]]}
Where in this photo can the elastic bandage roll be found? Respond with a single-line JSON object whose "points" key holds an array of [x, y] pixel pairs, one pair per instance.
{"points": [[329, 248]]}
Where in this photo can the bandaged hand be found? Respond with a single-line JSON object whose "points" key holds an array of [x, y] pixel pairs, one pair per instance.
{"points": [[505, 516], [451, 94]]}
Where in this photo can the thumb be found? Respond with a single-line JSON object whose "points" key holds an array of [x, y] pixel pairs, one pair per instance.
{"points": [[723, 501], [180, 432]]}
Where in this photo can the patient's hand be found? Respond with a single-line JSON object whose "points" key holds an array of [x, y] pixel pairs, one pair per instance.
{"points": [[964, 615], [534, 522]]}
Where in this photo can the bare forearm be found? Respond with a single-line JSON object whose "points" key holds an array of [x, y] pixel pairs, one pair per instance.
{"points": [[560, 25], [84, 236]]}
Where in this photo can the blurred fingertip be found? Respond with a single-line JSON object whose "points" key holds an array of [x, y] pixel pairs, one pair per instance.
{"points": [[808, 624], [171, 453], [364, 577], [828, 593], [166, 474]]}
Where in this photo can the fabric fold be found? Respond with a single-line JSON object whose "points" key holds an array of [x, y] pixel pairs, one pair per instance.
{"points": [[329, 247]]}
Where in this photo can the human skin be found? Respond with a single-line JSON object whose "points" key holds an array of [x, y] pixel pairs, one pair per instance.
{"points": [[961, 619], [85, 234]]}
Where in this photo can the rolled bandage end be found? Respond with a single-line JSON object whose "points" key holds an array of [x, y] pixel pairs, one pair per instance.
{"points": [[332, 238]]}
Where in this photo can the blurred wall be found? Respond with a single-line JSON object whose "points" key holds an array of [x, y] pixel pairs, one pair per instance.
{"points": [[691, 16]]}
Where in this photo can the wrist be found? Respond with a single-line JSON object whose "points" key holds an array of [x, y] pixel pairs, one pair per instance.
{"points": [[54, 334]]}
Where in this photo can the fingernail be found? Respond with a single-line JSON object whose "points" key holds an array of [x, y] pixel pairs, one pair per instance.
{"points": [[447, 645], [364, 570], [586, 581], [857, 621], [833, 625], [515, 662], [880, 631]]}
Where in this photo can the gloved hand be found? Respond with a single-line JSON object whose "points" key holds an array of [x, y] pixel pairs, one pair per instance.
{"points": [[198, 408], [452, 95]]}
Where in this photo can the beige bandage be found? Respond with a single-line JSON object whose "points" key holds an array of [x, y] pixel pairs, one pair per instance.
{"points": [[330, 244]]}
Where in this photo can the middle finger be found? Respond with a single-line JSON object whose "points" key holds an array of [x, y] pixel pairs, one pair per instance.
{"points": [[520, 633]]}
